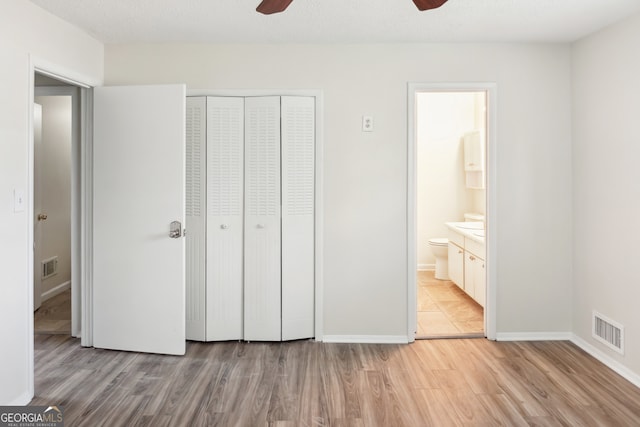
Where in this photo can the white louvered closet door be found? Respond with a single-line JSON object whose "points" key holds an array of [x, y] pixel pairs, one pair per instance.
{"points": [[195, 217], [225, 182], [298, 200], [262, 275]]}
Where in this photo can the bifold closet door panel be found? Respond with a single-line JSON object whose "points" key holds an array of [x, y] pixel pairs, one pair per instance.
{"points": [[298, 200], [262, 276], [195, 217], [225, 182]]}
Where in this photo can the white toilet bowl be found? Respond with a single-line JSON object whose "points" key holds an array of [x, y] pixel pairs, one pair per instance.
{"points": [[440, 249]]}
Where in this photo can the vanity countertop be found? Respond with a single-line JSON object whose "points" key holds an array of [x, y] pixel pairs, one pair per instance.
{"points": [[471, 230]]}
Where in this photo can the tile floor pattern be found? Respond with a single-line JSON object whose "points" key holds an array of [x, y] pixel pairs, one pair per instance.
{"points": [[54, 315], [446, 310]]}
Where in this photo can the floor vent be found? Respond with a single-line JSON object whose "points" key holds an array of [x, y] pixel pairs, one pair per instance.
{"points": [[49, 267], [608, 332]]}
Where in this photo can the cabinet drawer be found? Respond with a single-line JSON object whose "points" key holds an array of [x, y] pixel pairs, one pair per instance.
{"points": [[456, 238], [475, 248]]}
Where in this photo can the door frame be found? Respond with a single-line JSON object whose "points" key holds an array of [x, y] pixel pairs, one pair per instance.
{"points": [[319, 162], [490, 89], [81, 204]]}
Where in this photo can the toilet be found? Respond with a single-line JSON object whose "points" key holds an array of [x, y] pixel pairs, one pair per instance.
{"points": [[440, 249]]}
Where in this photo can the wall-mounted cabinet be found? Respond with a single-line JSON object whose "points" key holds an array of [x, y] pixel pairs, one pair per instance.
{"points": [[474, 159], [250, 218]]}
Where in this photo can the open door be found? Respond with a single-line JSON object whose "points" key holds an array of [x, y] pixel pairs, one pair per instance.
{"points": [[138, 209], [37, 207]]}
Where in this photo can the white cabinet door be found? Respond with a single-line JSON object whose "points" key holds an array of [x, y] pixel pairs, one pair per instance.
{"points": [[480, 281], [456, 265], [138, 190], [195, 218], [225, 200], [262, 244], [470, 262], [298, 200]]}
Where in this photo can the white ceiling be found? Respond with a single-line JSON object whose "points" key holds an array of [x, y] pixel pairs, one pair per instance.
{"points": [[339, 21]]}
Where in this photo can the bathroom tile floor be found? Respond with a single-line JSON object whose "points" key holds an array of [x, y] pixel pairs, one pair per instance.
{"points": [[446, 310]]}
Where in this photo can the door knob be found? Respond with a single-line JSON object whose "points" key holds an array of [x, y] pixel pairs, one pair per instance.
{"points": [[42, 216], [175, 230]]}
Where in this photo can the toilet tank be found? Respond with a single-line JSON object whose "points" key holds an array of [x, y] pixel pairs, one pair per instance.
{"points": [[473, 217]]}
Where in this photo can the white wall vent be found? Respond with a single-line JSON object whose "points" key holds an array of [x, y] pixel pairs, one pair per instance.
{"points": [[49, 267], [608, 332]]}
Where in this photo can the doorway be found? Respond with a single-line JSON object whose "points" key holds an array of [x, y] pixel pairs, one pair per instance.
{"points": [[450, 150], [56, 206]]}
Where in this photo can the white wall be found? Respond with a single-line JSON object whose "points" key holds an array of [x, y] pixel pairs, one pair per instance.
{"points": [[366, 173], [606, 180], [441, 192], [24, 30], [53, 180]]}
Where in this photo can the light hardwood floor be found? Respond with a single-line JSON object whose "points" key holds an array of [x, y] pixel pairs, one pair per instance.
{"points": [[472, 382], [445, 310]]}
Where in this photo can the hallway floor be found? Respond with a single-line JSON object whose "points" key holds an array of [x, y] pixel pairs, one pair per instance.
{"points": [[445, 310], [54, 315]]}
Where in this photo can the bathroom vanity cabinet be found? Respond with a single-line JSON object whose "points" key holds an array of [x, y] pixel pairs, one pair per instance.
{"points": [[466, 262]]}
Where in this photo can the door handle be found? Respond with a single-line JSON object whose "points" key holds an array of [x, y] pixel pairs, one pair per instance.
{"points": [[175, 230], [42, 216]]}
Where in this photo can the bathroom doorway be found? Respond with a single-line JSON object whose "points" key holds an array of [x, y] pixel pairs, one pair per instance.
{"points": [[448, 187]]}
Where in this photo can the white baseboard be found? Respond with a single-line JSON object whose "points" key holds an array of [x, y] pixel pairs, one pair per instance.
{"points": [[366, 339], [55, 291], [534, 336], [608, 361], [426, 267], [22, 400]]}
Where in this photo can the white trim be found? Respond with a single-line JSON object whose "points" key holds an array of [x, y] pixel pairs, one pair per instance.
{"points": [[610, 362], [492, 109], [86, 218], [56, 290], [257, 92], [319, 190], [366, 339], [22, 400], [533, 336], [426, 267]]}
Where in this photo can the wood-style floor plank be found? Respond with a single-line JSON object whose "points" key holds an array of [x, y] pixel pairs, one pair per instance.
{"points": [[304, 383]]}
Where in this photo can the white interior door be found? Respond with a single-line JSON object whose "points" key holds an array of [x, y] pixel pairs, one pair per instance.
{"points": [[298, 219], [262, 245], [196, 173], [225, 182], [37, 207], [139, 189]]}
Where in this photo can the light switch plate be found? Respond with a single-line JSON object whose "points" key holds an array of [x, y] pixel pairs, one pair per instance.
{"points": [[18, 201], [367, 124]]}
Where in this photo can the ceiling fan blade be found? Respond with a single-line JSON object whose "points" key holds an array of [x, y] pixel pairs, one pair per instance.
{"points": [[273, 6], [429, 4]]}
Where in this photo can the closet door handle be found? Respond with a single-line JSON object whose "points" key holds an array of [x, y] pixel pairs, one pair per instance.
{"points": [[260, 226], [224, 226]]}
